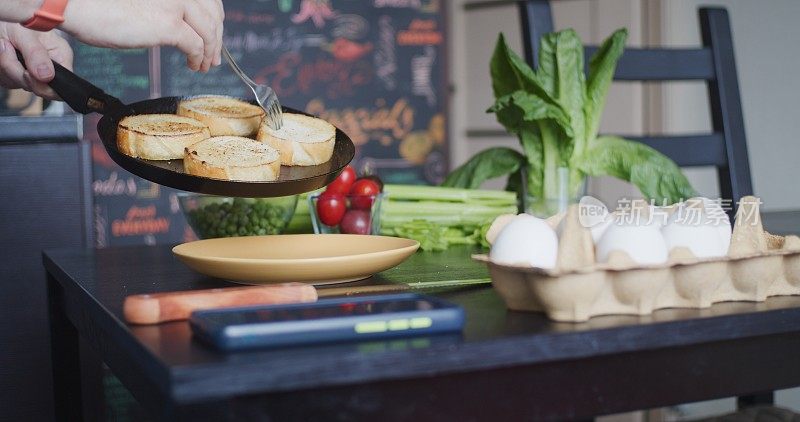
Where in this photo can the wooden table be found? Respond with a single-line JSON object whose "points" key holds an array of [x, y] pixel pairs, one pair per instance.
{"points": [[505, 365]]}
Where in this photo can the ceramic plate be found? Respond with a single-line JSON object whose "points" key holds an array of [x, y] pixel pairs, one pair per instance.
{"points": [[308, 258]]}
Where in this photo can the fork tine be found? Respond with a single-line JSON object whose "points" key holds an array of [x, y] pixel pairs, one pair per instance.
{"points": [[274, 117], [271, 117], [275, 111]]}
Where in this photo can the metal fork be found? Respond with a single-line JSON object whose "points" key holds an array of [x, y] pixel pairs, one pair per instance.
{"points": [[265, 96]]}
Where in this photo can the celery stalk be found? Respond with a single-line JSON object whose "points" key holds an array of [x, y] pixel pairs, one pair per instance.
{"points": [[424, 209], [438, 193]]}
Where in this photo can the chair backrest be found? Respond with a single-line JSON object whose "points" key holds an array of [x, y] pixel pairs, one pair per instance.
{"points": [[726, 147]]}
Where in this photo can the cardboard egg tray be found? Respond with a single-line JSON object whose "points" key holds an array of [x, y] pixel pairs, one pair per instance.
{"points": [[758, 265]]}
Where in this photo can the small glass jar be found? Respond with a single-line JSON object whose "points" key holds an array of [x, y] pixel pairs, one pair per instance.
{"points": [[549, 206], [362, 214]]}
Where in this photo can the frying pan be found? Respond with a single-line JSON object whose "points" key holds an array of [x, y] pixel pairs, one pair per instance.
{"points": [[85, 98]]}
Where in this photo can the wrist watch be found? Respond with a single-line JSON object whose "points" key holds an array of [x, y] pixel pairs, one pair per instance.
{"points": [[49, 16]]}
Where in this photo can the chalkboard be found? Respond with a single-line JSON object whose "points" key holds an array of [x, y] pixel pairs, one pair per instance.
{"points": [[124, 74], [376, 69], [127, 210]]}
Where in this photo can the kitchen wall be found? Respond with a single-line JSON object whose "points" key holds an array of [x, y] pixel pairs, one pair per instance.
{"points": [[766, 38]]}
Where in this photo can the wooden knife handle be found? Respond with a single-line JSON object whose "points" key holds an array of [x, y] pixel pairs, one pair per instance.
{"points": [[161, 307]]}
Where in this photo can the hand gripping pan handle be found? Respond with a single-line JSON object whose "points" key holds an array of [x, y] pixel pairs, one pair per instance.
{"points": [[81, 95]]}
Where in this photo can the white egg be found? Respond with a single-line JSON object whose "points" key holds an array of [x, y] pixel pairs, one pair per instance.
{"points": [[724, 231], [526, 240], [644, 244], [600, 228], [659, 216], [694, 232], [703, 240], [719, 218]]}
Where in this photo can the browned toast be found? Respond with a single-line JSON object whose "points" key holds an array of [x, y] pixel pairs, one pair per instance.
{"points": [[158, 136]]}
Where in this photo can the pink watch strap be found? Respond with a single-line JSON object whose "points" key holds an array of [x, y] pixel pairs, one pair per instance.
{"points": [[49, 16]]}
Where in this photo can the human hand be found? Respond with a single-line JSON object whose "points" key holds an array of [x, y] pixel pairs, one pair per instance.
{"points": [[194, 26], [39, 49]]}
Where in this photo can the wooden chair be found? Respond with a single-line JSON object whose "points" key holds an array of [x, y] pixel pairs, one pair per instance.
{"points": [[726, 147]]}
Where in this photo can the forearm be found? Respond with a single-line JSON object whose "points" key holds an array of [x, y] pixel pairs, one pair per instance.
{"points": [[77, 14], [18, 10], [80, 13], [194, 27]]}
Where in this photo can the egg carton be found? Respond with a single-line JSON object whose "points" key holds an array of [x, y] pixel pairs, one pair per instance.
{"points": [[758, 265]]}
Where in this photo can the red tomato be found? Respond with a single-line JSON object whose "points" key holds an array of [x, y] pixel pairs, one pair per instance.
{"points": [[375, 179], [344, 182], [355, 222], [363, 193], [331, 208]]}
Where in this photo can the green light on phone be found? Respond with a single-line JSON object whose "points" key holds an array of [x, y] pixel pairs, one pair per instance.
{"points": [[423, 322], [371, 327], [398, 324]]}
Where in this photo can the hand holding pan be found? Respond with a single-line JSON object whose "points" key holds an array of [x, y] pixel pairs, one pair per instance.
{"points": [[86, 98]]}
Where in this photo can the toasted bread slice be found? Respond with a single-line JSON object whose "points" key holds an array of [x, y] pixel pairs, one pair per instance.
{"points": [[158, 136], [302, 140], [224, 116], [232, 158]]}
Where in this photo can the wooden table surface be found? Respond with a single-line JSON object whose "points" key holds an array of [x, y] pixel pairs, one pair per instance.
{"points": [[510, 364]]}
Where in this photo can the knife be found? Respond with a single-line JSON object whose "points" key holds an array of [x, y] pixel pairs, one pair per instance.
{"points": [[174, 306]]}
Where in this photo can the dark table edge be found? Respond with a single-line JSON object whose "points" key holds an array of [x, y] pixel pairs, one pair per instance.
{"points": [[113, 327], [195, 384], [487, 355]]}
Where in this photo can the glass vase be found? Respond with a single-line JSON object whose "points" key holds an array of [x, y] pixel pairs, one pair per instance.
{"points": [[544, 207]]}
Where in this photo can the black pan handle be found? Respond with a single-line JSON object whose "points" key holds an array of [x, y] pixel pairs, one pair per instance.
{"points": [[79, 93]]}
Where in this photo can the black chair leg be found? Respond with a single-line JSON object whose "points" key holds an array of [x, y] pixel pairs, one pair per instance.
{"points": [[760, 399]]}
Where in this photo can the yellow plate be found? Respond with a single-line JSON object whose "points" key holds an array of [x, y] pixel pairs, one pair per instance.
{"points": [[308, 258]]}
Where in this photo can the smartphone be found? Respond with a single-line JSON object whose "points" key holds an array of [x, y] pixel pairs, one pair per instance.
{"points": [[327, 320]]}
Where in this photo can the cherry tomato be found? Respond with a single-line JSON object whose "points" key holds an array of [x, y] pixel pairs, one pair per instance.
{"points": [[363, 193], [355, 222], [344, 182], [331, 208], [375, 179]]}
